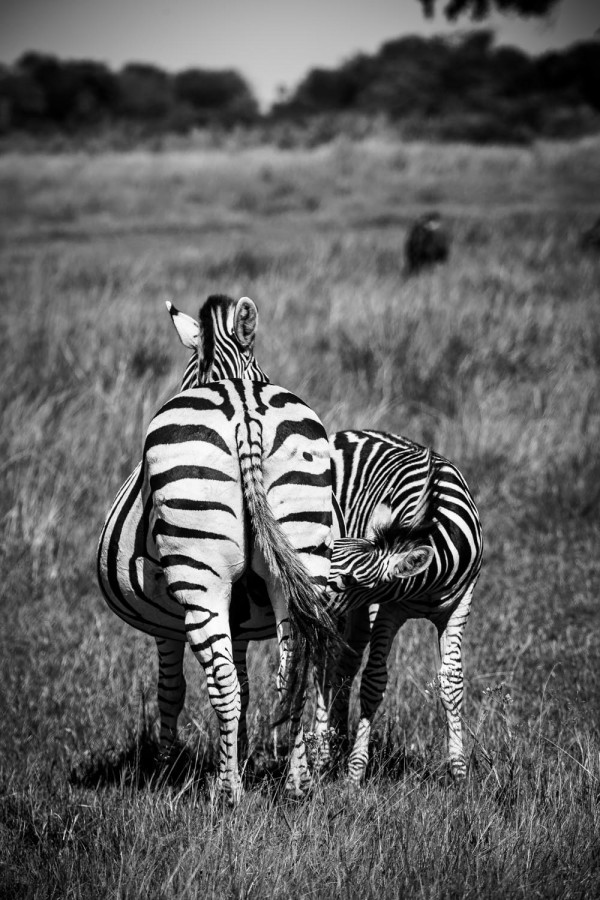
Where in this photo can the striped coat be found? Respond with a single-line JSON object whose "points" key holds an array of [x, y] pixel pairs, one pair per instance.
{"points": [[235, 478], [382, 482]]}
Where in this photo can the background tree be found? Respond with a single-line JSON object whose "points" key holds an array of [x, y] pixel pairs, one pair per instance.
{"points": [[215, 96], [74, 92], [481, 9], [460, 87], [145, 92]]}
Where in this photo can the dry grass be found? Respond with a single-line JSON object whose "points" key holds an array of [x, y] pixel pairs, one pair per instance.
{"points": [[493, 359]]}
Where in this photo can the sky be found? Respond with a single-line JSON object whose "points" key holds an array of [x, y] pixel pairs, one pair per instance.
{"points": [[271, 43]]}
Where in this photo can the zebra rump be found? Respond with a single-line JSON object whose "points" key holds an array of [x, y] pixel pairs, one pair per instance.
{"points": [[225, 437]]}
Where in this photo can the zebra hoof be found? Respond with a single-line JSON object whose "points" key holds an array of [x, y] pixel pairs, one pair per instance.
{"points": [[458, 768], [353, 783], [230, 792], [165, 757], [297, 789]]}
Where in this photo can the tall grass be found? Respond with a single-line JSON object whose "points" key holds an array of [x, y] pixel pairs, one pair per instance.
{"points": [[492, 359]]}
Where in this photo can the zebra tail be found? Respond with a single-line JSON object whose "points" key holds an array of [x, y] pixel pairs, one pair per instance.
{"points": [[312, 629]]}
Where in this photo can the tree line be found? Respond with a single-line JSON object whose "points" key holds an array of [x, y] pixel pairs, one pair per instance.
{"points": [[41, 92], [462, 87]]}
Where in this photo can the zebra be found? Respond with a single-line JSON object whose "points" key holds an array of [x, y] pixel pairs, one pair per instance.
{"points": [[387, 482], [218, 431]]}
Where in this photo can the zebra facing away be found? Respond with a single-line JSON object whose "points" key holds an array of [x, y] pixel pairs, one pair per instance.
{"points": [[177, 535], [385, 483]]}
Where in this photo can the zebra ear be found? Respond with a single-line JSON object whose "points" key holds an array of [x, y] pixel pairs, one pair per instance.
{"points": [[245, 321], [407, 563], [186, 327], [380, 519]]}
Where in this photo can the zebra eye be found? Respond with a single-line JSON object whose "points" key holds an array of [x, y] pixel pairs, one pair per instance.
{"points": [[349, 580]]}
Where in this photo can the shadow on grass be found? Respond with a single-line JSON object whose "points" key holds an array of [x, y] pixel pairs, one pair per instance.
{"points": [[139, 764], [398, 763]]}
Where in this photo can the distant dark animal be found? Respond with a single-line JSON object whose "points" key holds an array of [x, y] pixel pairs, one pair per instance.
{"points": [[427, 243], [590, 239]]}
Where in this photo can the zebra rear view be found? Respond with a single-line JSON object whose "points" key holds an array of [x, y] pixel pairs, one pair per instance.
{"points": [[214, 457], [207, 499]]}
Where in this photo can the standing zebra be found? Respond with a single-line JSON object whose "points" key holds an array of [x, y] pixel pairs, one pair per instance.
{"points": [[177, 530], [385, 482]]}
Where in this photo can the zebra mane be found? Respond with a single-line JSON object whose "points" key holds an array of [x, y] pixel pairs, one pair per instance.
{"points": [[421, 522], [391, 537], [217, 305]]}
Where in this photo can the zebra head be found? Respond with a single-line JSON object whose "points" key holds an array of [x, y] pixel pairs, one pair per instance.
{"points": [[360, 564], [396, 543], [222, 341]]}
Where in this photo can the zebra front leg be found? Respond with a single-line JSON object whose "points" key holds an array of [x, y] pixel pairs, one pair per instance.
{"points": [[210, 639], [171, 691], [451, 682], [372, 686], [356, 637]]}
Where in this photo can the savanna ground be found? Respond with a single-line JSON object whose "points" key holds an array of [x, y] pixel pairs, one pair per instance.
{"points": [[492, 359]]}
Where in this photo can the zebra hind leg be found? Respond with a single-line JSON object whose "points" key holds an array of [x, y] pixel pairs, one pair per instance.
{"points": [[171, 691], [240, 652], [323, 677], [450, 678], [210, 639], [298, 781]]}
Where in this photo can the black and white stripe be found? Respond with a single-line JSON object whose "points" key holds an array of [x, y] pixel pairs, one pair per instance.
{"points": [[380, 481], [177, 535], [222, 341], [236, 475]]}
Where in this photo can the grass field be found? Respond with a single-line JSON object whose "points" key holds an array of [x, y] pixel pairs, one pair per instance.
{"points": [[493, 359]]}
